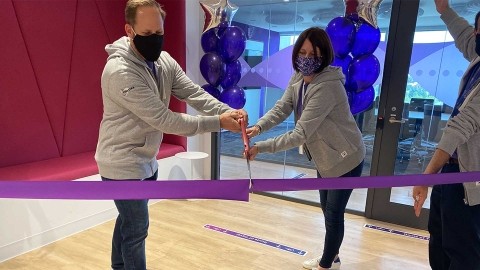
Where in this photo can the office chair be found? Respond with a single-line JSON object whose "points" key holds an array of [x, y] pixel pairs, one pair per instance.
{"points": [[414, 136]]}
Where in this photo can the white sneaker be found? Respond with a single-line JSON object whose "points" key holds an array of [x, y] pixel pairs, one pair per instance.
{"points": [[313, 263]]}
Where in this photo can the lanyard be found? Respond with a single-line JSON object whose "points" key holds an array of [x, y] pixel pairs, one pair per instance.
{"points": [[301, 96]]}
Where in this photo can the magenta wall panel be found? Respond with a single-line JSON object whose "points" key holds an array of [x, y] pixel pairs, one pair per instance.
{"points": [[84, 102], [49, 46], [25, 130]]}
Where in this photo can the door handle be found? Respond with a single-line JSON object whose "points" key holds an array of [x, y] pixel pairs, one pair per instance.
{"points": [[392, 120]]}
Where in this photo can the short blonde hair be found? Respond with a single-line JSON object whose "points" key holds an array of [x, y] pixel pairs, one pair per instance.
{"points": [[132, 6]]}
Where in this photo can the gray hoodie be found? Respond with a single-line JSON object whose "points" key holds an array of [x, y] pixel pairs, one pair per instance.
{"points": [[136, 114], [326, 124], [462, 132]]}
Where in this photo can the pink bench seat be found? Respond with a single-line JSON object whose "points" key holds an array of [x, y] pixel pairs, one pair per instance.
{"points": [[67, 168]]}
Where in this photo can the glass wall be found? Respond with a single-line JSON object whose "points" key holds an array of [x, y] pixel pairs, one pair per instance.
{"points": [[271, 28]]}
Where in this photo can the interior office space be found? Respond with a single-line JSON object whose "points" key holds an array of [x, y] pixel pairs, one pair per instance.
{"points": [[426, 78]]}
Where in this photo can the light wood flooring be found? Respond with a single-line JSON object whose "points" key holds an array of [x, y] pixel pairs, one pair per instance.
{"points": [[178, 240]]}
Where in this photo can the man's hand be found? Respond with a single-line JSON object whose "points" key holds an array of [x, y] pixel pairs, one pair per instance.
{"points": [[229, 121], [244, 115], [252, 153], [441, 5], [419, 195]]}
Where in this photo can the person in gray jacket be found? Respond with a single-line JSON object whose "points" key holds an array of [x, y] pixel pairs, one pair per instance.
{"points": [[454, 220], [137, 83], [324, 129]]}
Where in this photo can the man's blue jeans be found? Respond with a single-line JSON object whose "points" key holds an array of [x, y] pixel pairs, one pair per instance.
{"points": [[454, 228], [131, 230], [333, 204]]}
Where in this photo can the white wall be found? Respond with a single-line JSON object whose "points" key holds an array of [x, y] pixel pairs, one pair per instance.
{"points": [[29, 224]]}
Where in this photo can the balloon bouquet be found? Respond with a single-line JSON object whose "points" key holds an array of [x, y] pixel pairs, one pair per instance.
{"points": [[355, 37], [223, 45]]}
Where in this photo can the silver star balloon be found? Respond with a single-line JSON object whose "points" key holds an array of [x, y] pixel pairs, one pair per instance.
{"points": [[217, 12], [367, 10]]}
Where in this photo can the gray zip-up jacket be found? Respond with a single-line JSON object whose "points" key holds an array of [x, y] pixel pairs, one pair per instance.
{"points": [[326, 124], [462, 132], [136, 114]]}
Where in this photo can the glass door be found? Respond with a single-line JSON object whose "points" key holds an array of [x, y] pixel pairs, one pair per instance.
{"points": [[414, 112]]}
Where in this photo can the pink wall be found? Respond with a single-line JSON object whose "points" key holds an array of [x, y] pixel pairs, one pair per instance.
{"points": [[52, 56]]}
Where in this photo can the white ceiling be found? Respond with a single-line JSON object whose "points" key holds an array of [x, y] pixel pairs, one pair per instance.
{"points": [[279, 15]]}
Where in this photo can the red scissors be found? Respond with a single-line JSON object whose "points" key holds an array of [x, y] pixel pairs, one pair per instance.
{"points": [[246, 147]]}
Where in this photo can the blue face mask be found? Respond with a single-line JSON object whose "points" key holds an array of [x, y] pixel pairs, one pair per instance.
{"points": [[308, 65]]}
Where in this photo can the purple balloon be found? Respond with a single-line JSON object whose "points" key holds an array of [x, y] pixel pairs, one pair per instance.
{"points": [[212, 90], [221, 27], [233, 73], [363, 71], [212, 68], [366, 40], [344, 63], [234, 97], [341, 31], [209, 40], [362, 100], [232, 43], [350, 86]]}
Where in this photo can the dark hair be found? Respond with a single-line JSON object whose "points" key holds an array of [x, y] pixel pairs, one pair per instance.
{"points": [[319, 39], [476, 20]]}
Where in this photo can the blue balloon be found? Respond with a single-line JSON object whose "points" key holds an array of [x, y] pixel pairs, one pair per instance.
{"points": [[363, 71], [212, 68], [212, 90], [361, 101], [366, 40], [232, 43], [344, 63], [233, 73], [341, 31], [350, 86], [209, 40], [233, 96]]}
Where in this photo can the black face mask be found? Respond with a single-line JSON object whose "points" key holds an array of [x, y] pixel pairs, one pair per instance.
{"points": [[149, 46], [477, 45]]}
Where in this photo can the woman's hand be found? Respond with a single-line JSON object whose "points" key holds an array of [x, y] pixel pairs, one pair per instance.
{"points": [[253, 131], [252, 153]]}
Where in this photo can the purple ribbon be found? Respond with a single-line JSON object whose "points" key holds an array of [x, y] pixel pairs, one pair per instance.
{"points": [[363, 182], [108, 190], [208, 189]]}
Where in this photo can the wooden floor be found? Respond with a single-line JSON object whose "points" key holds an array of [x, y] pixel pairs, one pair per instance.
{"points": [[178, 240]]}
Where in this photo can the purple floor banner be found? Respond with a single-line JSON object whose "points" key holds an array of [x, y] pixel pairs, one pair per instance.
{"points": [[263, 185], [108, 190], [256, 239], [393, 231]]}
